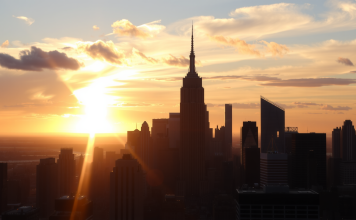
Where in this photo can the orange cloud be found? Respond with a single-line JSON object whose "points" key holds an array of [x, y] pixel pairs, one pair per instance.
{"points": [[104, 51], [95, 28], [178, 61], [5, 44], [139, 54], [240, 45], [126, 28], [28, 21], [275, 49]]}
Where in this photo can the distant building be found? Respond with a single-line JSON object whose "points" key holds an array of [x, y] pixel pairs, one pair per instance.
{"points": [[336, 143], [249, 135], [22, 213], [308, 160], [174, 130], [228, 132], [72, 208], [348, 138], [126, 190], [251, 166], [143, 151], [66, 170], [3, 187], [272, 126], [98, 183], [348, 172], [46, 186], [133, 140], [273, 168], [277, 202]]}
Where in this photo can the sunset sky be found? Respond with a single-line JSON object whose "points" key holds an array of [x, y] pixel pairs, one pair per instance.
{"points": [[89, 66]]}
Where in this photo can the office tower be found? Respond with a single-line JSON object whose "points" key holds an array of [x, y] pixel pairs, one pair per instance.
{"points": [[348, 141], [308, 149], [336, 143], [143, 151], [273, 168], [160, 140], [98, 181], [249, 135], [288, 138], [174, 130], [133, 140], [228, 179], [193, 131], [228, 131], [22, 213], [3, 187], [64, 208], [272, 126], [46, 186], [277, 202], [126, 189], [251, 166], [79, 165], [66, 171]]}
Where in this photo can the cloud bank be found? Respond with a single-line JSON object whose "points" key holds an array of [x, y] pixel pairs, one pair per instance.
{"points": [[37, 60]]}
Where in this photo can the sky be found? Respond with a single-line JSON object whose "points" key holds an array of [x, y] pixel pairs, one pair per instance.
{"points": [[105, 66]]}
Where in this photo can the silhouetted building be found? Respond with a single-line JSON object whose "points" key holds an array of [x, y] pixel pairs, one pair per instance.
{"points": [[225, 207], [348, 172], [66, 170], [193, 131], [143, 152], [133, 140], [249, 135], [172, 208], [228, 179], [273, 168], [22, 213], [98, 183], [126, 190], [277, 202], [174, 130], [272, 126], [288, 131], [336, 143], [3, 187], [348, 138], [251, 166], [228, 131], [46, 186], [72, 208], [308, 160]]}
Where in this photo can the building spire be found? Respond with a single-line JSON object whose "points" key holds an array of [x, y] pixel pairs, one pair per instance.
{"points": [[192, 72]]}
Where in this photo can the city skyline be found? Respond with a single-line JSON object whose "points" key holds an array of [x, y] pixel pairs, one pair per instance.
{"points": [[120, 70]]}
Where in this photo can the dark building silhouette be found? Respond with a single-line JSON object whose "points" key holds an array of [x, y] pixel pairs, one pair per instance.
{"points": [[251, 166], [3, 187], [22, 213], [336, 143], [72, 208], [308, 160], [174, 130], [272, 126], [224, 207], [66, 171], [143, 151], [228, 131], [249, 135], [133, 140], [126, 189], [193, 131], [273, 168], [99, 183], [46, 186], [277, 202], [348, 150], [288, 131]]}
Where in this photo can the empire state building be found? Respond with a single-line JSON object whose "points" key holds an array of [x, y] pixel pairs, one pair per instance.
{"points": [[192, 129]]}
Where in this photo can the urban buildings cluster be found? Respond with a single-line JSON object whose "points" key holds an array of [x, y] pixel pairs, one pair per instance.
{"points": [[178, 169]]}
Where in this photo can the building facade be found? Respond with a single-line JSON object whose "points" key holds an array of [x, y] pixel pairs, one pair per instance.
{"points": [[273, 168], [66, 171]]}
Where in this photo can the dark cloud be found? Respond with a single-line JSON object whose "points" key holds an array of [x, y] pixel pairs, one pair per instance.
{"points": [[37, 60], [104, 51], [345, 61], [144, 57], [331, 108], [310, 82], [67, 48]]}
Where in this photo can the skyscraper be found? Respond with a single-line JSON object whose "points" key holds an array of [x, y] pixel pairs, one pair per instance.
{"points": [[126, 189], [272, 126], [348, 151], [174, 130], [336, 142], [143, 151], [66, 170], [192, 130], [249, 135], [228, 131], [273, 168], [3, 187], [133, 140], [46, 186]]}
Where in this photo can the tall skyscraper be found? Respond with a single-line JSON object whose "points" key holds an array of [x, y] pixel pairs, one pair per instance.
{"points": [[126, 190], [336, 142], [143, 151], [174, 130], [228, 131], [249, 135], [46, 186], [193, 130], [133, 140], [66, 170], [348, 138], [273, 168], [3, 187], [251, 166], [272, 126]]}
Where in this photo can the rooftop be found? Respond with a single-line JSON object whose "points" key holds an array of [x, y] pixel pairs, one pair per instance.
{"points": [[24, 210]]}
